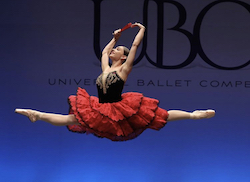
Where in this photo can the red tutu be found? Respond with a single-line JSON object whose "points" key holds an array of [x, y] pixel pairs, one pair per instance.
{"points": [[118, 121]]}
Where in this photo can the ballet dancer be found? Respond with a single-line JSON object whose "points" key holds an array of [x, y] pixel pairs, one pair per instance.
{"points": [[113, 115]]}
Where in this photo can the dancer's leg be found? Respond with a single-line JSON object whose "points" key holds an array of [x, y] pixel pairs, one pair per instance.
{"points": [[175, 115], [54, 119]]}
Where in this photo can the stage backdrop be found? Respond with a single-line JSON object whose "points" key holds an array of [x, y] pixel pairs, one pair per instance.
{"points": [[195, 55]]}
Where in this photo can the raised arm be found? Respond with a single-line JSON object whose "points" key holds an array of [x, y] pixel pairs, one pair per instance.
{"points": [[108, 48], [138, 38]]}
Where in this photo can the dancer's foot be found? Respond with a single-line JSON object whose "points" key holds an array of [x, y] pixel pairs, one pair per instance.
{"points": [[202, 114], [31, 114]]}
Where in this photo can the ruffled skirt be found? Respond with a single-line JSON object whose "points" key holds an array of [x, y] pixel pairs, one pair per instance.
{"points": [[118, 121]]}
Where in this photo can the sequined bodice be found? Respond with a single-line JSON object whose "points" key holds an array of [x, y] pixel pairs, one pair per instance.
{"points": [[109, 86]]}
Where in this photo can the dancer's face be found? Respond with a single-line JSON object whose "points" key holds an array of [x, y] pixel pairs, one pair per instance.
{"points": [[117, 53]]}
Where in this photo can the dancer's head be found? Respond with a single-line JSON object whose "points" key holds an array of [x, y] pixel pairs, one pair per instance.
{"points": [[119, 53], [125, 52]]}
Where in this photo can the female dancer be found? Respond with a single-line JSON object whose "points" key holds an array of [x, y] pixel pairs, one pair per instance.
{"points": [[113, 115]]}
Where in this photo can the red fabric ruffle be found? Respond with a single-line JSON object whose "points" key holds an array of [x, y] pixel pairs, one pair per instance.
{"points": [[118, 121]]}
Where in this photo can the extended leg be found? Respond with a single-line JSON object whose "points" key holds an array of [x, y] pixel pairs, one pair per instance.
{"points": [[54, 119], [175, 115]]}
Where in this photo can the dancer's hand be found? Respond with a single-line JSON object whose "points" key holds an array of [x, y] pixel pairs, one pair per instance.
{"points": [[137, 25], [117, 34]]}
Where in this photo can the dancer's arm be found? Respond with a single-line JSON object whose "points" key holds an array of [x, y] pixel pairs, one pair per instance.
{"points": [[130, 59], [108, 48]]}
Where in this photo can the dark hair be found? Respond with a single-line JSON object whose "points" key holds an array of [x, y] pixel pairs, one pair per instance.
{"points": [[126, 51]]}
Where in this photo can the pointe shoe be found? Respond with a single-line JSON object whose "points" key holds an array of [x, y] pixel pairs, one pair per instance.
{"points": [[203, 114], [31, 114]]}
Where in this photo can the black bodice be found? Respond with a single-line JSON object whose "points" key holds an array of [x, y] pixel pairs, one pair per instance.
{"points": [[109, 87]]}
